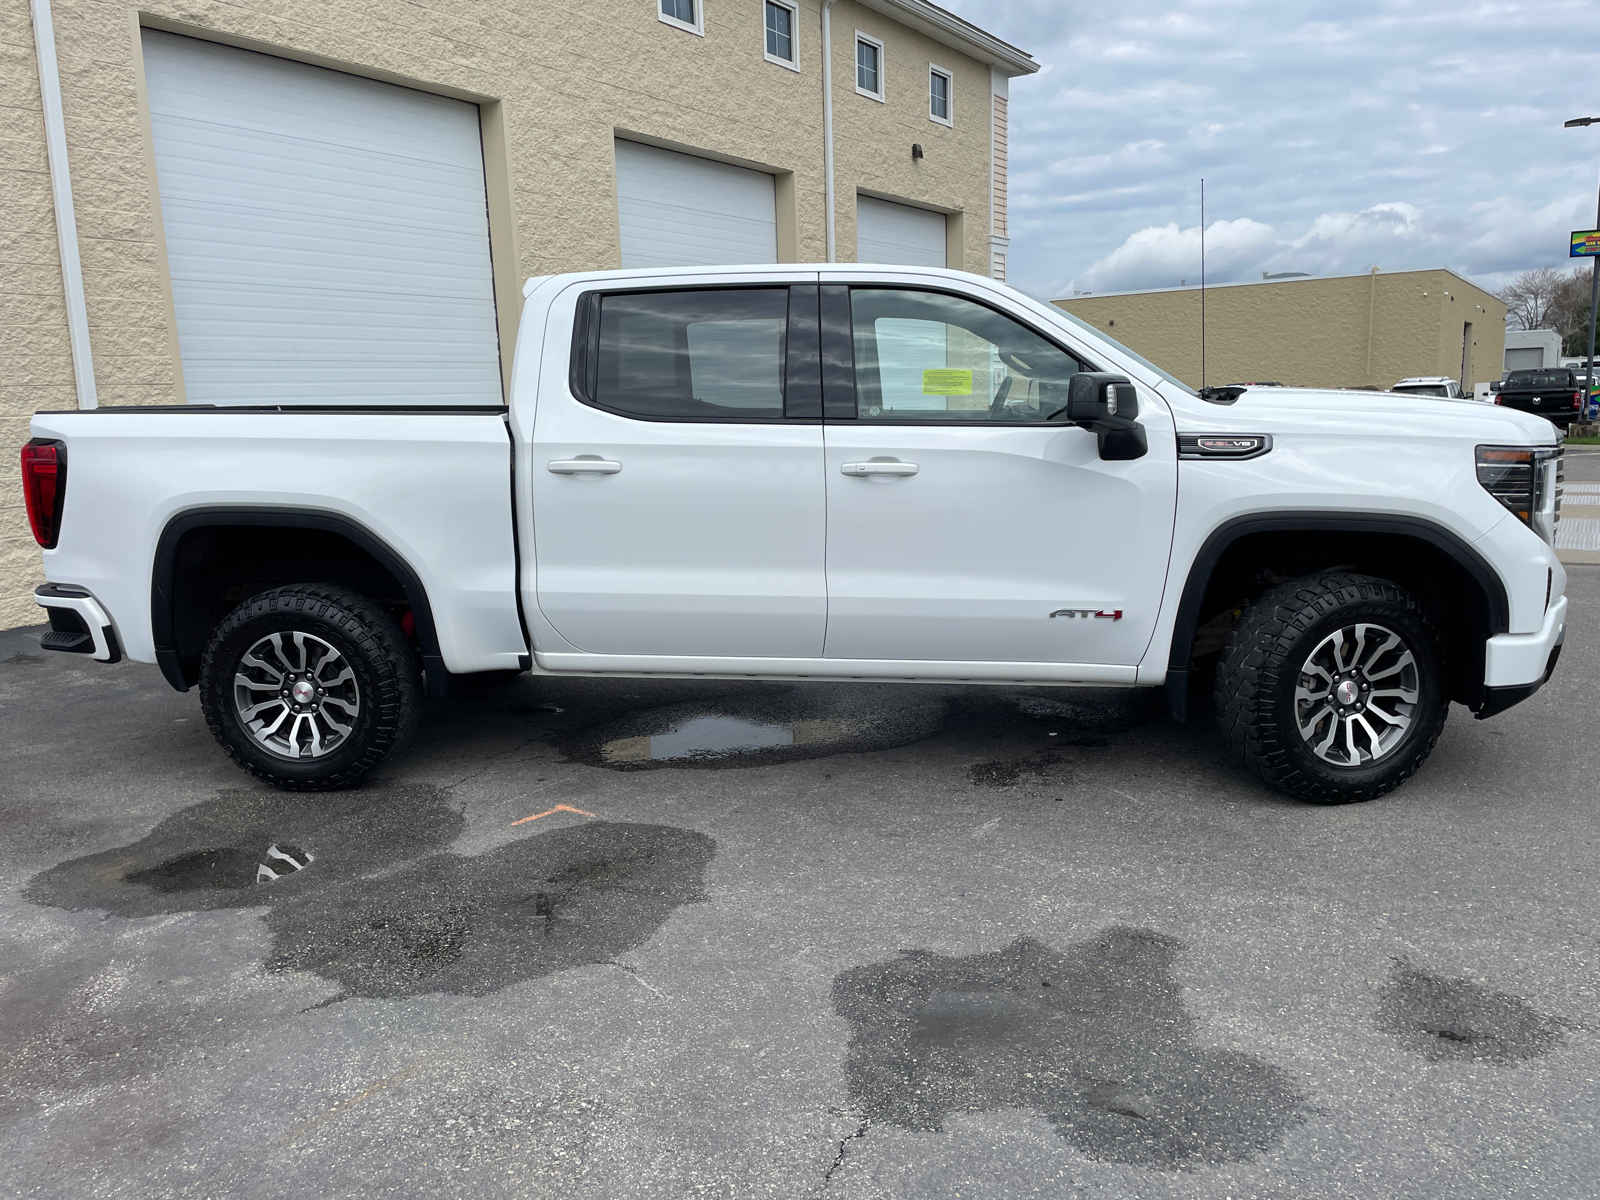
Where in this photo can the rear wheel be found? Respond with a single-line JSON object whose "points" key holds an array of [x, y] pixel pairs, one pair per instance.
{"points": [[1331, 688], [308, 688]]}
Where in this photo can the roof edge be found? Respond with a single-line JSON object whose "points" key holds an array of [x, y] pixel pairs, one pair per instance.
{"points": [[1195, 287], [960, 35]]}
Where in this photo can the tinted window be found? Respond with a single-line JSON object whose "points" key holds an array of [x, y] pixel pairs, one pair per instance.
{"points": [[923, 356], [1424, 389], [1539, 379], [693, 356]]}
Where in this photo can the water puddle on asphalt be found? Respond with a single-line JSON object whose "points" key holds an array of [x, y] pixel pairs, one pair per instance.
{"points": [[1095, 1038], [1458, 1020], [714, 736]]}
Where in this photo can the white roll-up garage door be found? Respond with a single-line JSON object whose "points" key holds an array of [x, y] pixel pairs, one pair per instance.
{"points": [[327, 235], [676, 210], [898, 233]]}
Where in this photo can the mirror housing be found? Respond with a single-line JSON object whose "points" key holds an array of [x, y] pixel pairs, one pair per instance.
{"points": [[1107, 404], [1495, 386]]}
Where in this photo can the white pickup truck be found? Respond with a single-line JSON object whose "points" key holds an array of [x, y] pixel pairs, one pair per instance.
{"points": [[817, 473]]}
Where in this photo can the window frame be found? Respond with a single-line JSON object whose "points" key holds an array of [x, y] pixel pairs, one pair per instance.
{"points": [[838, 335], [855, 64], [697, 27], [949, 120], [799, 370], [792, 64]]}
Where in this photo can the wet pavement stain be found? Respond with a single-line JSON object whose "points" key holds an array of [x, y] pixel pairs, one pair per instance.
{"points": [[208, 856], [1002, 774], [760, 725], [1457, 1020], [473, 925], [1094, 1038]]}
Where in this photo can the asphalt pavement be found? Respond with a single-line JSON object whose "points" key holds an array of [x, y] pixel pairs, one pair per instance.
{"points": [[600, 940]]}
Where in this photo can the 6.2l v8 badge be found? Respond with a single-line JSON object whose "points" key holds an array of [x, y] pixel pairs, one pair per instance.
{"points": [[1110, 614]]}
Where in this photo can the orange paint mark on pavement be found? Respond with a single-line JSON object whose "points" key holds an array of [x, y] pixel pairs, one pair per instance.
{"points": [[556, 809]]}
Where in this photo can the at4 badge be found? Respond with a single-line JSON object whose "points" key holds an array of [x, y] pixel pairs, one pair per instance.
{"points": [[1110, 614]]}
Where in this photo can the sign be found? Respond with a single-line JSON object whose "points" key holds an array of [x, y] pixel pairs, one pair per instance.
{"points": [[1585, 243], [947, 381]]}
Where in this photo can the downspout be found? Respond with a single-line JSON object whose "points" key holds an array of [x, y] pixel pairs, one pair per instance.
{"points": [[1372, 300], [827, 118], [55, 140]]}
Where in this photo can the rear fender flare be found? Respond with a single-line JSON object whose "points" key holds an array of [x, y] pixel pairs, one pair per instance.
{"points": [[163, 582]]}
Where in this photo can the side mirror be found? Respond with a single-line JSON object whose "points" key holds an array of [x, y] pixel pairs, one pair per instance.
{"points": [[1494, 387], [1109, 405]]}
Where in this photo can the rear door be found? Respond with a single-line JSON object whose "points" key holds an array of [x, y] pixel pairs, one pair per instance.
{"points": [[678, 504], [963, 523]]}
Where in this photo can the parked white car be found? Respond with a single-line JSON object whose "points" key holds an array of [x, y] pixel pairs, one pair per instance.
{"points": [[1440, 386], [816, 473]]}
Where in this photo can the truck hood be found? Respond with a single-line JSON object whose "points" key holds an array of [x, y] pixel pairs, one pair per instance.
{"points": [[1384, 416]]}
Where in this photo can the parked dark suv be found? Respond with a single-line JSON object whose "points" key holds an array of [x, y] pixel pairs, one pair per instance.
{"points": [[1555, 393]]}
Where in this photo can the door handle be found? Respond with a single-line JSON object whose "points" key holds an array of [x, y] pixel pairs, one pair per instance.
{"points": [[584, 466], [861, 470]]}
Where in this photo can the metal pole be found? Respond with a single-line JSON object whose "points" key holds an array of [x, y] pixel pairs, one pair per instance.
{"points": [[1202, 283], [1594, 296]]}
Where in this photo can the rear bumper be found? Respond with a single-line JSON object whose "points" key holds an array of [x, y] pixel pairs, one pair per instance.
{"points": [[1516, 665], [78, 625]]}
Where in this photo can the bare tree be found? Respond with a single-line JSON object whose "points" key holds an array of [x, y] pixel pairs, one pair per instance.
{"points": [[1530, 297], [1569, 314]]}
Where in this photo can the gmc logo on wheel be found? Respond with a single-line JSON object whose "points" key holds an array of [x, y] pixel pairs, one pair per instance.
{"points": [[1110, 614]]}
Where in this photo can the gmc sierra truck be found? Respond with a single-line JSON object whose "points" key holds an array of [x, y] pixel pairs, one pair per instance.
{"points": [[817, 473]]}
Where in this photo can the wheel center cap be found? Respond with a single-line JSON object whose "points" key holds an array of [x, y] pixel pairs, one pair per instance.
{"points": [[1347, 692], [303, 692]]}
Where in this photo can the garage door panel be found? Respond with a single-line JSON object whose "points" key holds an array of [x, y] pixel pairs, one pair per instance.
{"points": [[676, 210], [898, 233], [327, 235]]}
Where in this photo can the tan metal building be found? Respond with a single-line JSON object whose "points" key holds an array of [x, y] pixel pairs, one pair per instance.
{"points": [[1344, 331], [332, 203]]}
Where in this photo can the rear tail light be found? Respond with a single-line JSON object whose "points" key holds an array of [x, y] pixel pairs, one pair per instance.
{"points": [[1523, 478], [1577, 399], [44, 488]]}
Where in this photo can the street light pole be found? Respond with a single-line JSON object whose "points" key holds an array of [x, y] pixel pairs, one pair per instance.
{"points": [[1594, 284]]}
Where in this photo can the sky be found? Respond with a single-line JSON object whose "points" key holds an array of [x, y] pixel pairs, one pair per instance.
{"points": [[1333, 137]]}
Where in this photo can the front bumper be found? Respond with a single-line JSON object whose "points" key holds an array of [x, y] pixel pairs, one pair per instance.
{"points": [[78, 625], [1516, 665]]}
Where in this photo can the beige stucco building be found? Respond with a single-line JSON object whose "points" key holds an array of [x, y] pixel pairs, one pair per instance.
{"points": [[568, 111], [1347, 331]]}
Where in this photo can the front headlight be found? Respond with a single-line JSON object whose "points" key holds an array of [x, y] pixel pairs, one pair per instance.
{"points": [[1527, 480]]}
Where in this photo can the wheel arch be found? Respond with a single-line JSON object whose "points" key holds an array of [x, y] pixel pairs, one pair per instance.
{"points": [[1429, 559], [193, 573]]}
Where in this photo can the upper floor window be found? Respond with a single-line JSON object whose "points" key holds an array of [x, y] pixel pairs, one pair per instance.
{"points": [[869, 66], [684, 14], [939, 95], [781, 20]]}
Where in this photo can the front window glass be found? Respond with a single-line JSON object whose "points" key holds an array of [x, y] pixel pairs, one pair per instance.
{"points": [[679, 10], [939, 95], [693, 356], [780, 32], [924, 356], [867, 73]]}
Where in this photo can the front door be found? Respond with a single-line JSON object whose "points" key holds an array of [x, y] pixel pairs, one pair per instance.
{"points": [[677, 501], [964, 524]]}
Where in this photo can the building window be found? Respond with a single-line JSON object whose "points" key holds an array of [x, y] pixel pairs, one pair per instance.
{"points": [[939, 95], [869, 66], [782, 17], [681, 14]]}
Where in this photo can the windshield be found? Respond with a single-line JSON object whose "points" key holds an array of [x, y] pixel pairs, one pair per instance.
{"points": [[1538, 379], [1424, 389], [1102, 335]]}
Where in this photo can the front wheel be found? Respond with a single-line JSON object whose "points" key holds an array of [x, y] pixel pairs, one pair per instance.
{"points": [[1331, 688], [308, 688]]}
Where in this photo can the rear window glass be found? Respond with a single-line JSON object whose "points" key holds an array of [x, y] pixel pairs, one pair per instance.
{"points": [[713, 355], [1539, 379], [1424, 389]]}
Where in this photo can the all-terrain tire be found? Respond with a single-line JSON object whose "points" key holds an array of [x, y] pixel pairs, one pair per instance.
{"points": [[383, 690], [1270, 647]]}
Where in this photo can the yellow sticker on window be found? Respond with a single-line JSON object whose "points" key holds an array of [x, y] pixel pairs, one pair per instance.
{"points": [[946, 381]]}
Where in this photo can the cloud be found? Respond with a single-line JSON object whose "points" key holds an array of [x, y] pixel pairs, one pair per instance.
{"points": [[1338, 243], [1360, 133]]}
